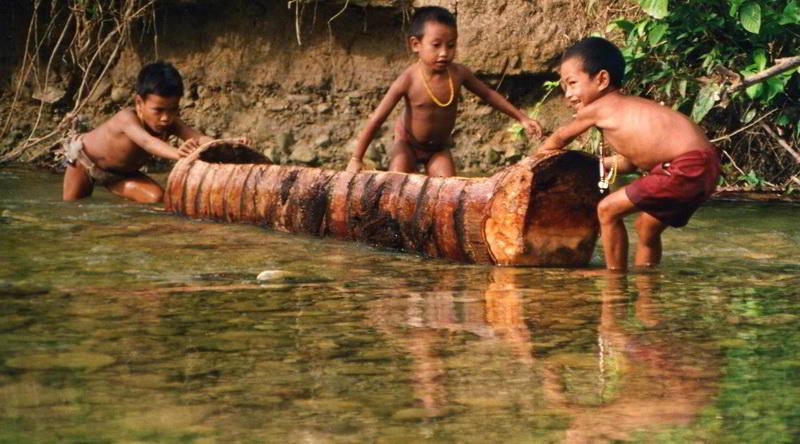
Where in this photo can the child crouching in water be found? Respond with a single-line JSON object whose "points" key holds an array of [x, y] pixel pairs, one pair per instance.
{"points": [[430, 89], [111, 154], [683, 165]]}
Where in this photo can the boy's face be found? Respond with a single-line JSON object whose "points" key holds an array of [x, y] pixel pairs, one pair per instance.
{"points": [[157, 113], [579, 88], [437, 48]]}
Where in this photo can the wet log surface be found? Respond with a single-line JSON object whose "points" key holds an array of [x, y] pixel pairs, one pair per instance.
{"points": [[540, 211]]}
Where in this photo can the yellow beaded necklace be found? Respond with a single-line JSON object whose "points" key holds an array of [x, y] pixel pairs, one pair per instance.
{"points": [[430, 93]]}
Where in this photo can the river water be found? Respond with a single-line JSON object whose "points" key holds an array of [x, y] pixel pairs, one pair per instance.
{"points": [[122, 323]]}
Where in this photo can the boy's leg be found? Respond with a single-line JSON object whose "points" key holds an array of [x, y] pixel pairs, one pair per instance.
{"points": [[611, 211], [441, 164], [402, 159], [648, 249], [138, 188], [77, 183]]}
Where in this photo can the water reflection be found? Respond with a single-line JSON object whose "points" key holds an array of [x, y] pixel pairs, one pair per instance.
{"points": [[644, 378], [122, 324], [634, 376]]}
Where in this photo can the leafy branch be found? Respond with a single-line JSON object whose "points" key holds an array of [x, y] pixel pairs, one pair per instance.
{"points": [[724, 63]]}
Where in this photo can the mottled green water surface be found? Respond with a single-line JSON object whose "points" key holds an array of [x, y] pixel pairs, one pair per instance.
{"points": [[121, 323]]}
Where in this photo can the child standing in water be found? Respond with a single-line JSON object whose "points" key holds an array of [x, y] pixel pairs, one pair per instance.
{"points": [[683, 165], [112, 153], [430, 88]]}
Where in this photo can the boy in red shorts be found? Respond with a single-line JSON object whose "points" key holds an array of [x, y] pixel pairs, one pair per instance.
{"points": [[683, 165]]}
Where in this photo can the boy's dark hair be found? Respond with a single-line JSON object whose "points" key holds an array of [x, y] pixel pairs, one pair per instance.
{"points": [[159, 78], [427, 14], [598, 54]]}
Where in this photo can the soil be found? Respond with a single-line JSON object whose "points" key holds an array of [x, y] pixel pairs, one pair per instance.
{"points": [[303, 85], [304, 102]]}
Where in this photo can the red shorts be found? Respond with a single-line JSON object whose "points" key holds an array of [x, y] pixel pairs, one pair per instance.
{"points": [[674, 190]]}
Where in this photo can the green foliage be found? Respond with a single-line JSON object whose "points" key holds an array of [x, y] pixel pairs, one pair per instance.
{"points": [[672, 53], [752, 179], [517, 129], [687, 53], [657, 8]]}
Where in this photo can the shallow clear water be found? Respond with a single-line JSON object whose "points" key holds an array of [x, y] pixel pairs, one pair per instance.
{"points": [[121, 323]]}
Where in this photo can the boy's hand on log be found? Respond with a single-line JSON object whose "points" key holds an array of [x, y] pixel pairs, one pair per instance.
{"points": [[532, 128], [244, 140], [355, 165], [188, 147]]}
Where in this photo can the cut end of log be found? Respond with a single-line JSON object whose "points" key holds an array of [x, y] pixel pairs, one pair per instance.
{"points": [[544, 211]]}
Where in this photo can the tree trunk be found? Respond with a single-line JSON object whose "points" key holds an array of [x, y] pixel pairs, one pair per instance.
{"points": [[541, 211]]}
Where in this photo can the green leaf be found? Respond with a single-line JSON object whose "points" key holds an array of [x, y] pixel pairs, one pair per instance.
{"points": [[641, 26], [752, 179], [654, 76], [760, 59], [755, 91], [706, 98], [735, 5], [791, 14], [623, 25], [656, 8], [657, 33], [750, 15], [749, 116], [775, 85]]}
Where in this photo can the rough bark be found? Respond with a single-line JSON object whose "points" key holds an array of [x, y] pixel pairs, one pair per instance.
{"points": [[540, 211]]}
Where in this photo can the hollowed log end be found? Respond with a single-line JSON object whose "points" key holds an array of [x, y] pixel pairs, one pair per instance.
{"points": [[229, 152], [544, 211]]}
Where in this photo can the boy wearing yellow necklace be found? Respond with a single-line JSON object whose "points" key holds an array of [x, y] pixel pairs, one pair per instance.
{"points": [[430, 88]]}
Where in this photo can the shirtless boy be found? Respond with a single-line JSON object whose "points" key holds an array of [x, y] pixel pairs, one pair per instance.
{"points": [[683, 165], [430, 88], [112, 153]]}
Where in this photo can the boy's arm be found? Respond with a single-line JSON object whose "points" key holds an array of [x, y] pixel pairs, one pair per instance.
{"points": [[185, 132], [498, 102], [395, 93], [192, 139], [561, 137], [132, 128]]}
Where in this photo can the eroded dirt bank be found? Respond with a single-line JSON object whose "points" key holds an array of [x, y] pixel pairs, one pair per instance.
{"points": [[302, 83]]}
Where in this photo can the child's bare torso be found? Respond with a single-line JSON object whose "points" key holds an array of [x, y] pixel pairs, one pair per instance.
{"points": [[426, 121], [111, 148], [645, 132]]}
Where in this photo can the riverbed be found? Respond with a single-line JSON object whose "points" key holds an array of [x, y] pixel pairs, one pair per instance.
{"points": [[120, 322]]}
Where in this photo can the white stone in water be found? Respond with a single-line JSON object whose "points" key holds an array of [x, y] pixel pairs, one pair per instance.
{"points": [[268, 275]]}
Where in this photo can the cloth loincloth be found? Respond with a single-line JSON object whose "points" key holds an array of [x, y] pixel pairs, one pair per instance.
{"points": [[74, 154]]}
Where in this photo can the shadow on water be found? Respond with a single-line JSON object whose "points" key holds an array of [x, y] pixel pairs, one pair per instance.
{"points": [[121, 323]]}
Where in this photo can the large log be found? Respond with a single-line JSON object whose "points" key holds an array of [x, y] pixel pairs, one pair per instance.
{"points": [[540, 211]]}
